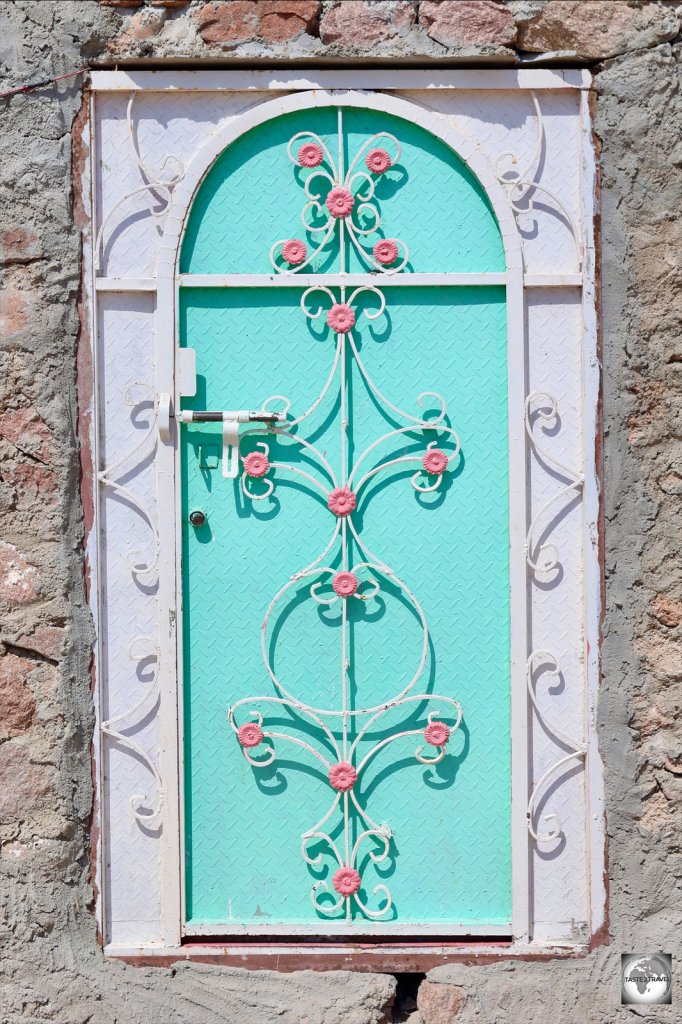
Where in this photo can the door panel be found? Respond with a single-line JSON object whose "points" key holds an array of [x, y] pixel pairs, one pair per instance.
{"points": [[322, 679], [450, 858]]}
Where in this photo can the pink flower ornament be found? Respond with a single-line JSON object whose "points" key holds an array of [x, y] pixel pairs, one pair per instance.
{"points": [[346, 881], [310, 155], [340, 201], [345, 584], [256, 464], [378, 161], [294, 251], [385, 251], [435, 461], [341, 318], [342, 776], [437, 734], [341, 501], [250, 734]]}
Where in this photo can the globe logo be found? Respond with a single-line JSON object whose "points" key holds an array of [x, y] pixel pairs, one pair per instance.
{"points": [[646, 979]]}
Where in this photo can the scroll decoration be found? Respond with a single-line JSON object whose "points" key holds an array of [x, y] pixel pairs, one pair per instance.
{"points": [[544, 663], [331, 578], [144, 571], [341, 204]]}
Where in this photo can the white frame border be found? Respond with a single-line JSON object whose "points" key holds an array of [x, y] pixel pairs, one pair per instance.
{"points": [[165, 286]]}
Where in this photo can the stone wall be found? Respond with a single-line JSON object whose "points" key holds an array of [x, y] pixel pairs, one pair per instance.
{"points": [[51, 967]]}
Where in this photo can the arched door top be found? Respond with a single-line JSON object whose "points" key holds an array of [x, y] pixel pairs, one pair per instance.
{"points": [[199, 170]]}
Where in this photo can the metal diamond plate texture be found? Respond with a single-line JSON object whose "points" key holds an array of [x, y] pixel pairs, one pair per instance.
{"points": [[506, 123], [500, 122], [451, 857], [429, 198], [559, 868], [126, 360], [167, 130]]}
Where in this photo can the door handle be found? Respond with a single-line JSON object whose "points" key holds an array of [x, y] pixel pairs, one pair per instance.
{"points": [[230, 419]]}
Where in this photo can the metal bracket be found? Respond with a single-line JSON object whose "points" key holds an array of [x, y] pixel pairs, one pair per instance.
{"points": [[230, 418], [230, 447], [164, 415]]}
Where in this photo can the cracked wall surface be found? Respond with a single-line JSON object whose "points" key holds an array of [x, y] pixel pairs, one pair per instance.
{"points": [[51, 966]]}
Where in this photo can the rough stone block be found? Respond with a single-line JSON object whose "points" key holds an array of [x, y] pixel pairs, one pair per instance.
{"points": [[140, 27], [17, 576], [28, 433], [666, 610], [19, 245], [44, 640], [236, 22], [596, 29], [15, 311], [282, 20], [361, 24], [18, 702], [439, 1004], [467, 22], [22, 783]]}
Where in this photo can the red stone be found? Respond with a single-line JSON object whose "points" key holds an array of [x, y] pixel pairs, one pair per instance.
{"points": [[439, 1004], [22, 784], [45, 640], [596, 29], [282, 20], [28, 432], [15, 308], [16, 698], [35, 485], [17, 576], [236, 22], [143, 25], [18, 245], [361, 24], [468, 22]]}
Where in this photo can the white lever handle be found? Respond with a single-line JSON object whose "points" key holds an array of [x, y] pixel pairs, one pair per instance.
{"points": [[230, 448]]}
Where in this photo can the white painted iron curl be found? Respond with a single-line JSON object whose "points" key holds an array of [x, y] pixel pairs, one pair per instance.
{"points": [[144, 572], [355, 181], [521, 185], [157, 184], [552, 831], [540, 405], [146, 811]]}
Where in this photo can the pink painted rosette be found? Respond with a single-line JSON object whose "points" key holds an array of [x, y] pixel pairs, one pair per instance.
{"points": [[342, 501], [345, 584], [435, 461], [310, 155], [342, 776], [250, 734], [294, 251], [437, 734], [256, 464], [346, 881], [340, 201], [377, 161], [341, 318], [385, 251]]}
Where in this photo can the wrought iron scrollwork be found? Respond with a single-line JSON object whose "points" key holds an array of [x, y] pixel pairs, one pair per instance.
{"points": [[330, 578]]}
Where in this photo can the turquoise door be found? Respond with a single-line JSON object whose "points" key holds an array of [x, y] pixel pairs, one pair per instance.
{"points": [[345, 583]]}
